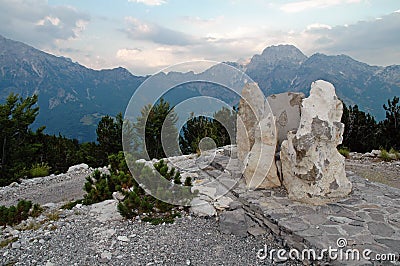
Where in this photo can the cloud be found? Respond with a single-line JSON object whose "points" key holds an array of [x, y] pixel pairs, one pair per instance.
{"points": [[153, 58], [369, 35], [150, 2], [299, 6], [37, 23], [139, 30], [128, 54], [318, 26], [374, 41], [201, 22]]}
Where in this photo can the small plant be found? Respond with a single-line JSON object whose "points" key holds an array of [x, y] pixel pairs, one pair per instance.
{"points": [[385, 155], [97, 188], [163, 169], [177, 179], [100, 186], [53, 216], [15, 214], [39, 170], [344, 151], [188, 181], [31, 226], [6, 242]]}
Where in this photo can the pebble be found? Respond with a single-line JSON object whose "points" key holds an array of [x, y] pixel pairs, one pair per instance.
{"points": [[123, 238], [16, 245], [106, 255]]}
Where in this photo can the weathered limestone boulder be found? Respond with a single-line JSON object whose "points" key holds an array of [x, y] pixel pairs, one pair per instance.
{"points": [[260, 169], [286, 107], [251, 109], [257, 139], [313, 170]]}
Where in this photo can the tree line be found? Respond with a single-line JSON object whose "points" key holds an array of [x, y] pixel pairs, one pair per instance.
{"points": [[362, 132], [25, 153]]}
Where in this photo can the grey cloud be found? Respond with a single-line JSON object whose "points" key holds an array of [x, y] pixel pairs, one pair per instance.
{"points": [[70, 50], [28, 21], [376, 41], [139, 30]]}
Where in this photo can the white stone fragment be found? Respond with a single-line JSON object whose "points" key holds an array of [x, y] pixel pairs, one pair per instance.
{"points": [[78, 167]]}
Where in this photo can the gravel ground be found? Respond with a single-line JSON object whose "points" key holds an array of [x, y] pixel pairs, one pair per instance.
{"points": [[76, 239], [42, 190]]}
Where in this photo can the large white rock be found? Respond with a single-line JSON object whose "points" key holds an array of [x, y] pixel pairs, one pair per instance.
{"points": [[313, 170], [256, 139]]}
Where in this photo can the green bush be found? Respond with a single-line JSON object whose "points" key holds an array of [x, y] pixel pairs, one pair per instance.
{"points": [[385, 155], [39, 170], [100, 187], [344, 151], [169, 174], [188, 181], [15, 214]]}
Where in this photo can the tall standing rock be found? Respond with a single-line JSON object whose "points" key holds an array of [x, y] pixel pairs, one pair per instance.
{"points": [[313, 169], [257, 139], [251, 109]]}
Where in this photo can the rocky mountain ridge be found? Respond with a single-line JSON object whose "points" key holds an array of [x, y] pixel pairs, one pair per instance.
{"points": [[72, 98]]}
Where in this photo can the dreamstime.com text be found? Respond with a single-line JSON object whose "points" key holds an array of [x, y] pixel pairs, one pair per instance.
{"points": [[340, 253]]}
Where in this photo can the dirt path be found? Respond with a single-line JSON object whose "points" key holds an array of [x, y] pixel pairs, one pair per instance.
{"points": [[387, 173], [55, 189]]}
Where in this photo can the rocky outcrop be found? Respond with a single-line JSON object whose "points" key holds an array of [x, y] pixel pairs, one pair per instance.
{"points": [[313, 170], [257, 139]]}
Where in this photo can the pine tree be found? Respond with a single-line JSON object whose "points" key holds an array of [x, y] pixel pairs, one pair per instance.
{"points": [[155, 131], [221, 128], [361, 130], [16, 149], [391, 125], [109, 135]]}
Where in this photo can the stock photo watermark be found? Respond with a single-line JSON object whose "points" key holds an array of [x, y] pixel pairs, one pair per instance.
{"points": [[338, 253]]}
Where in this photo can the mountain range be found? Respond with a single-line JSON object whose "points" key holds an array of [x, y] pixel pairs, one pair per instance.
{"points": [[73, 98]]}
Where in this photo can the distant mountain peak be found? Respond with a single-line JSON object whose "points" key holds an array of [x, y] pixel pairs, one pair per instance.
{"points": [[283, 52], [282, 48], [276, 55]]}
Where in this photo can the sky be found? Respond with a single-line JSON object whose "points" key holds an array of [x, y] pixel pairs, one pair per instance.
{"points": [[146, 36]]}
